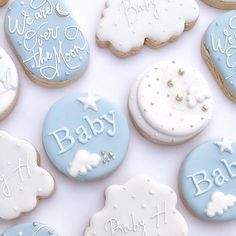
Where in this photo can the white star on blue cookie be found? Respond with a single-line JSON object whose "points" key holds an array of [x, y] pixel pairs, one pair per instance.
{"points": [[89, 102], [225, 145]]}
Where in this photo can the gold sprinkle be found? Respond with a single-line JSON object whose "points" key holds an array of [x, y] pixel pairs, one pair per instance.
{"points": [[170, 83], [204, 108], [181, 71], [179, 98]]}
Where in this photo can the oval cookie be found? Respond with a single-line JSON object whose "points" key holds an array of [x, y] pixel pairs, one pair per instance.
{"points": [[126, 25], [218, 51], [222, 4], [85, 136], [30, 229], [22, 181], [207, 180], [47, 40], [9, 84], [170, 103], [140, 207]]}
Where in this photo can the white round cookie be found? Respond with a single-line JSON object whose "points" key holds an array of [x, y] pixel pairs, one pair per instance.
{"points": [[9, 84], [170, 103]]}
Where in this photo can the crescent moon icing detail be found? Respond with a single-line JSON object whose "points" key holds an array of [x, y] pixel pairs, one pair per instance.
{"points": [[61, 12]]}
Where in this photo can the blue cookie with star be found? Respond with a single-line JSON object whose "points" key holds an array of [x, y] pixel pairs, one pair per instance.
{"points": [[85, 136], [207, 180], [30, 229], [47, 40]]}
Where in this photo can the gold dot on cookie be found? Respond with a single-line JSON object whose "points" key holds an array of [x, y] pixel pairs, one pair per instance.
{"points": [[204, 108], [170, 83], [179, 98], [181, 71]]}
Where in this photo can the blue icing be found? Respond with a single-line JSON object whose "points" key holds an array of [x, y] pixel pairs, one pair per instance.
{"points": [[47, 39], [89, 129], [210, 170], [30, 229], [220, 40]]}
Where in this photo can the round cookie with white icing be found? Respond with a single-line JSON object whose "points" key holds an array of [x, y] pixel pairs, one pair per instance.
{"points": [[217, 48], [170, 103], [207, 180], [22, 181], [140, 207], [47, 40], [30, 229], [85, 136], [126, 25], [221, 4], [9, 84]]}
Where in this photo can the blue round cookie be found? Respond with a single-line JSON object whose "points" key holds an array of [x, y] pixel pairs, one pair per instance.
{"points": [[28, 229], [85, 136], [208, 179], [48, 41]]}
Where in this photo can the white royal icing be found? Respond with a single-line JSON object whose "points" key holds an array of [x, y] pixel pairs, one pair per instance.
{"points": [[127, 23], [22, 181], [225, 145], [220, 203], [8, 82], [170, 106], [83, 162], [140, 207]]}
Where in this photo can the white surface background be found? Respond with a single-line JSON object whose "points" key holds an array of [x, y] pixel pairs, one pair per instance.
{"points": [[69, 209]]}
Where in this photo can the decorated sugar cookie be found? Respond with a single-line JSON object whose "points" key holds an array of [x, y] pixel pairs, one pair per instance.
{"points": [[3, 2], [85, 136], [170, 103], [222, 4], [207, 180], [126, 25], [22, 181], [218, 51], [47, 40], [9, 84], [140, 207], [30, 229]]}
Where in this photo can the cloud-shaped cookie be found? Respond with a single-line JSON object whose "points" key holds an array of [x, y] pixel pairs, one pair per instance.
{"points": [[128, 24], [140, 207], [220, 203], [83, 162], [22, 181]]}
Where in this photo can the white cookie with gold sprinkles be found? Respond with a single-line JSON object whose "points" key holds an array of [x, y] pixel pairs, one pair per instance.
{"points": [[170, 103]]}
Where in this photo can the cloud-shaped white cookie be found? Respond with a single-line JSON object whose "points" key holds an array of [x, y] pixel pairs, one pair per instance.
{"points": [[140, 207], [220, 203], [22, 181], [83, 162], [127, 24]]}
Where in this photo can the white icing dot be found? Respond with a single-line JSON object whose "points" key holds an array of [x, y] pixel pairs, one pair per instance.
{"points": [[21, 188], [20, 233], [134, 196]]}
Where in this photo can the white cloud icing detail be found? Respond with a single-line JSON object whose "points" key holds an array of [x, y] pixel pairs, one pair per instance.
{"points": [[140, 207], [219, 203], [126, 24], [197, 95], [83, 162], [22, 181]]}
